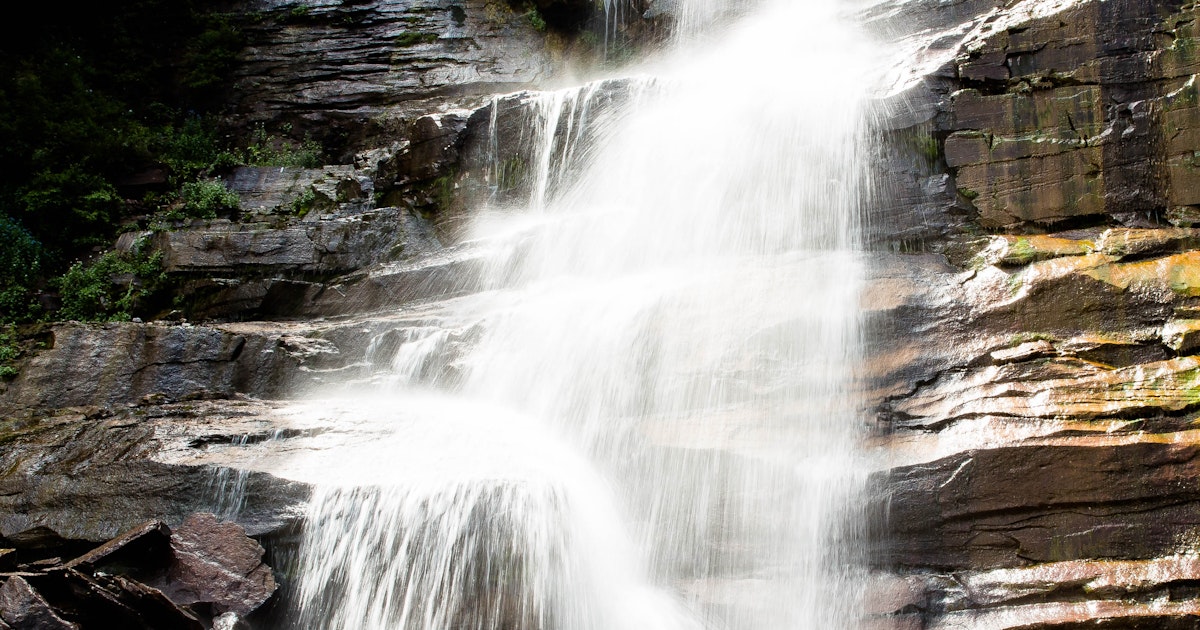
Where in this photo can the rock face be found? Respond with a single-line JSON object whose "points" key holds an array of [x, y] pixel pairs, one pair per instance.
{"points": [[1032, 369], [1036, 393], [332, 67]]}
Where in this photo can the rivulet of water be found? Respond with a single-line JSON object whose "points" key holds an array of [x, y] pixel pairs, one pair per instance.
{"points": [[652, 424]]}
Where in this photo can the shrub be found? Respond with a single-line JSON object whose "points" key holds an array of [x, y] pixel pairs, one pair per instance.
{"points": [[20, 266], [266, 149], [111, 287], [192, 150], [10, 351], [204, 199]]}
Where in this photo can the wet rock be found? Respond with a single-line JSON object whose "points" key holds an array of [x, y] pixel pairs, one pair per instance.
{"points": [[336, 70], [323, 245], [22, 608], [1131, 501], [216, 563], [95, 478], [229, 621], [147, 543]]}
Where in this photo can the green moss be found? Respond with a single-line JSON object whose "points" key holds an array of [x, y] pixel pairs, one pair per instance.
{"points": [[412, 38], [510, 173], [444, 191], [1022, 252], [968, 194]]}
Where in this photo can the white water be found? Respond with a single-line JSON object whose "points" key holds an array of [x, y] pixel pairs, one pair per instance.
{"points": [[653, 426]]}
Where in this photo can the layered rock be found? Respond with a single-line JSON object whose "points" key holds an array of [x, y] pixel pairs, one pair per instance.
{"points": [[1035, 393], [111, 585], [331, 67]]}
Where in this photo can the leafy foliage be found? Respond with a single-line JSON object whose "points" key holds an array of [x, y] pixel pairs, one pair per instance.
{"points": [[111, 287], [266, 149], [20, 268], [204, 199], [10, 351]]}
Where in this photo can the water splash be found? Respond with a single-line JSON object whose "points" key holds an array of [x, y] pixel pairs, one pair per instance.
{"points": [[654, 425]]}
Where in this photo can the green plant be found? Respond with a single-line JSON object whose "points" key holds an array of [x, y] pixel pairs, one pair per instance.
{"points": [[299, 11], [205, 198], [412, 38], [209, 57], [20, 267], [303, 202], [192, 150], [266, 149], [111, 287], [10, 351], [536, 20]]}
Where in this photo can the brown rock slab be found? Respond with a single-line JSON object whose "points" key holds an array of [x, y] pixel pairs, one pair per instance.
{"points": [[145, 545], [24, 609], [217, 563]]}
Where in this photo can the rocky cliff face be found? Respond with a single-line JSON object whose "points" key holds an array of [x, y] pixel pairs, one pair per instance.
{"points": [[1034, 309], [1035, 380]]}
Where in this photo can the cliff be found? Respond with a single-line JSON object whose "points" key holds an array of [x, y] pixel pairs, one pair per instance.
{"points": [[1033, 309]]}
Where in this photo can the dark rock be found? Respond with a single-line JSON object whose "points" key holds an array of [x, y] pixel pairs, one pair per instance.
{"points": [[336, 70], [1133, 501], [92, 479], [23, 608], [322, 245], [216, 563], [147, 545]]}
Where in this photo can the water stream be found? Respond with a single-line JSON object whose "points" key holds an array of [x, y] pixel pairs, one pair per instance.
{"points": [[648, 419]]}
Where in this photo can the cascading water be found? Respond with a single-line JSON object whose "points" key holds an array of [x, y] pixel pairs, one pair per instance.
{"points": [[651, 423]]}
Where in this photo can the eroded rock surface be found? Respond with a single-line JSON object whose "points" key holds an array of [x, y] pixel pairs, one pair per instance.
{"points": [[1036, 392]]}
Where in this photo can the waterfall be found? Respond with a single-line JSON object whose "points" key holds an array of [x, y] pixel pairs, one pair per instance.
{"points": [[652, 423]]}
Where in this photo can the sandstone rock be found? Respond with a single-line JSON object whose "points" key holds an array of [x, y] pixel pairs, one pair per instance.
{"points": [[216, 563], [266, 191], [23, 608], [116, 600], [1182, 335], [1009, 506]]}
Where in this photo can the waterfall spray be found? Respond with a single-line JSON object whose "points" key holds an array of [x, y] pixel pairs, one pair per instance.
{"points": [[655, 425]]}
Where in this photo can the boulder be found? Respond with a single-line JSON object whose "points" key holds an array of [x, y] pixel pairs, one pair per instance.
{"points": [[22, 608], [216, 563]]}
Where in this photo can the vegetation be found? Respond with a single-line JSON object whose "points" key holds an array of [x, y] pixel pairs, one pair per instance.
{"points": [[204, 199], [303, 202], [111, 287], [10, 351], [536, 20], [267, 149], [411, 38], [107, 124]]}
